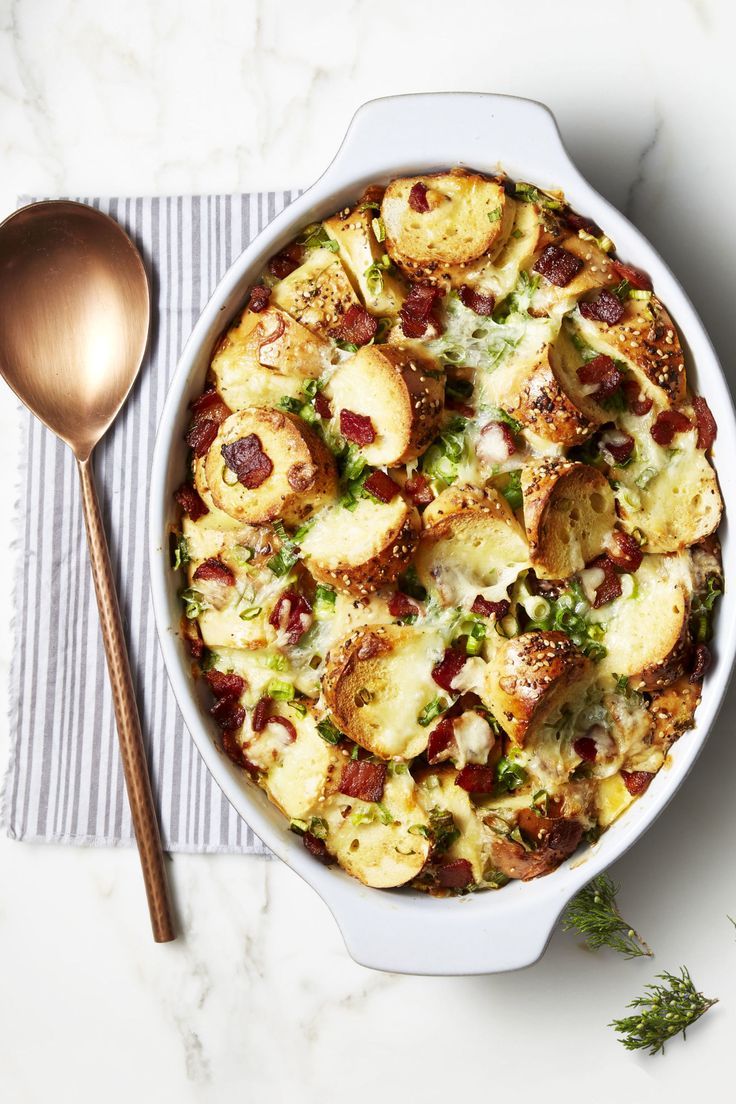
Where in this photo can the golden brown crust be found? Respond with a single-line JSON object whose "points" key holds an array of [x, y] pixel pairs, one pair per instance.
{"points": [[302, 478], [672, 709], [646, 339], [568, 512], [401, 390], [545, 408], [530, 677], [455, 230], [357, 552]]}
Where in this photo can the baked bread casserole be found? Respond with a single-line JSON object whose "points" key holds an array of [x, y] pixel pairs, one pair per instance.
{"points": [[448, 537]]}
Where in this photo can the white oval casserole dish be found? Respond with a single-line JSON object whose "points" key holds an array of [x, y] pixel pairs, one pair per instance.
{"points": [[402, 930]]}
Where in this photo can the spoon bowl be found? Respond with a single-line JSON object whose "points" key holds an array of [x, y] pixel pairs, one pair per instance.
{"points": [[74, 312], [74, 315]]}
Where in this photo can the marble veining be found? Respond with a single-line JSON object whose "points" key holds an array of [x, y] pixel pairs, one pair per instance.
{"points": [[258, 1000]]}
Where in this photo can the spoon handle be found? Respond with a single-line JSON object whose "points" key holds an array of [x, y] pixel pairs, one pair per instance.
{"points": [[126, 714]]}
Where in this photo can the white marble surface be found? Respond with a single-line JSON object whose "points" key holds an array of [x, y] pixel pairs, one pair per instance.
{"points": [[258, 999]]}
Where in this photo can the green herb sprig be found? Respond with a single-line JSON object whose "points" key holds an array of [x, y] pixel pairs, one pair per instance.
{"points": [[594, 914], [664, 1011]]}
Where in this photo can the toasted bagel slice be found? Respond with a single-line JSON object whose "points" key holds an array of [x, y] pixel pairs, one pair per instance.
{"points": [[569, 511], [265, 465], [596, 271], [354, 231], [317, 294], [646, 340], [401, 390], [378, 681], [471, 545], [647, 635], [266, 356], [530, 677], [466, 215], [669, 497], [379, 846], [497, 274], [357, 551], [544, 407]]}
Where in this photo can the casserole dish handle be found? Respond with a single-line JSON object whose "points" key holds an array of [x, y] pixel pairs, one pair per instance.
{"points": [[423, 935], [475, 126]]}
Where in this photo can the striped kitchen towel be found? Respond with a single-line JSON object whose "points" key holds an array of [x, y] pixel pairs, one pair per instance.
{"points": [[65, 781]]}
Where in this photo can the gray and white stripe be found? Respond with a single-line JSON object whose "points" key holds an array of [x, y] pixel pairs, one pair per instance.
{"points": [[64, 782]]}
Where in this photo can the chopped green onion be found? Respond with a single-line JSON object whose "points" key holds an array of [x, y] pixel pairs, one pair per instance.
{"points": [[279, 690], [299, 708], [432, 710], [385, 815], [379, 229], [512, 490], [324, 602], [509, 775], [298, 826], [494, 215], [249, 613], [194, 601], [182, 555], [640, 293], [329, 731], [290, 404]]}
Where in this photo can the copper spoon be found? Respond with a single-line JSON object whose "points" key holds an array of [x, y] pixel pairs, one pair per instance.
{"points": [[74, 314]]}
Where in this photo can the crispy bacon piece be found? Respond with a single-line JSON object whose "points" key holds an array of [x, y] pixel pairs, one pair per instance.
{"points": [[449, 667], [225, 685], [317, 848], [580, 222], [636, 782], [441, 738], [363, 779], [418, 198], [667, 424], [637, 403], [357, 428], [381, 486], [638, 279], [258, 298], [610, 588], [215, 570], [201, 435], [617, 444], [476, 301], [706, 423], [419, 309], [484, 608], [454, 873], [475, 779], [228, 713], [625, 552], [261, 713], [190, 502], [606, 307], [358, 326], [602, 372], [284, 263], [586, 748], [247, 459], [322, 405], [194, 641], [557, 265], [419, 490], [234, 751], [291, 615], [286, 724], [209, 405], [399, 605], [701, 662]]}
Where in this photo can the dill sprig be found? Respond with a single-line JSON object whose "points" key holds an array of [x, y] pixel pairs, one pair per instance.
{"points": [[594, 913], [665, 1011]]}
